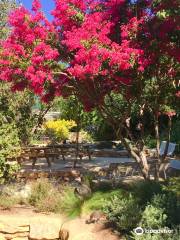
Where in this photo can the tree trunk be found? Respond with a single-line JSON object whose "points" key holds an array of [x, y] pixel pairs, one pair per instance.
{"points": [[156, 126], [139, 156], [78, 121], [40, 119], [163, 158], [77, 148]]}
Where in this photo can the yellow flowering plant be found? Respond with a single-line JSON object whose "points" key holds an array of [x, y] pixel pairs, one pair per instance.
{"points": [[58, 130]]}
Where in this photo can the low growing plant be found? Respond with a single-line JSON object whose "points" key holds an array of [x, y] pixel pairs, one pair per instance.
{"points": [[169, 203], [153, 217], [123, 212], [145, 190], [51, 203], [173, 185], [40, 190], [70, 204], [7, 202], [96, 202]]}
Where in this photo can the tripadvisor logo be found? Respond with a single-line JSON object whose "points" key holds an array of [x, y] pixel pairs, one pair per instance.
{"points": [[139, 230]]}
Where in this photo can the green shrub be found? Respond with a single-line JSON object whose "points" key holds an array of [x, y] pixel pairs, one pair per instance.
{"points": [[150, 205], [173, 184], [73, 206], [168, 201], [9, 148], [162, 212], [150, 142], [153, 217], [123, 212], [96, 202], [176, 233], [145, 190]]}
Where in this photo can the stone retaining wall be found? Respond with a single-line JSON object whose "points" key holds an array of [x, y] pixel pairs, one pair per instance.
{"points": [[33, 231], [109, 153], [64, 174], [14, 233]]}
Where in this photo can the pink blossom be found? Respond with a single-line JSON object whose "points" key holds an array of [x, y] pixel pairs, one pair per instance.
{"points": [[178, 94], [36, 6], [170, 113], [102, 43]]}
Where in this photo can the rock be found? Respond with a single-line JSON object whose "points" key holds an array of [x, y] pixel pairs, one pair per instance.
{"points": [[13, 229], [75, 173], [67, 179], [96, 216], [83, 191], [26, 191], [17, 190], [16, 235], [44, 231], [13, 232], [20, 238], [97, 169]]}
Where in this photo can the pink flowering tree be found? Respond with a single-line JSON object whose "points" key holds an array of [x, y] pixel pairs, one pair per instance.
{"points": [[117, 54]]}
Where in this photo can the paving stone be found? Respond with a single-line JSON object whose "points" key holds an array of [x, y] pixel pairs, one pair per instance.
{"points": [[7, 229], [45, 231], [16, 235], [20, 238]]}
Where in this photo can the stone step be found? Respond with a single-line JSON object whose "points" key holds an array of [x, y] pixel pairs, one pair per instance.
{"points": [[109, 153]]}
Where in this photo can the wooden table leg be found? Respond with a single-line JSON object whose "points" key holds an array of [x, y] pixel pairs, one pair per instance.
{"points": [[48, 161], [62, 153], [34, 161], [46, 152], [89, 154]]}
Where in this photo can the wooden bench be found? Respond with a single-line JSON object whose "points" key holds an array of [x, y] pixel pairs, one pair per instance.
{"points": [[72, 150], [53, 152]]}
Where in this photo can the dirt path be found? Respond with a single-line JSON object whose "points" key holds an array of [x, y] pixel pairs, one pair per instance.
{"points": [[78, 229]]}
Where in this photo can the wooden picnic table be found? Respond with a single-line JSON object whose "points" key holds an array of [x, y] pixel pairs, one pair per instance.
{"points": [[54, 151]]}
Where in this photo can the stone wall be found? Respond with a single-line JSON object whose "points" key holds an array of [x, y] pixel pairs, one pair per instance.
{"points": [[65, 175], [33, 231], [8, 232]]}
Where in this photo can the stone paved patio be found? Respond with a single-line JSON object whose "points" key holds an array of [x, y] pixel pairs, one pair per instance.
{"points": [[85, 163]]}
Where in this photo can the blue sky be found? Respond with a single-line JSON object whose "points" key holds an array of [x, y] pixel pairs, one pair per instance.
{"points": [[47, 6]]}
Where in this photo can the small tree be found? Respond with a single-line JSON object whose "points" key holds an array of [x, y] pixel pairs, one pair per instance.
{"points": [[117, 54]]}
